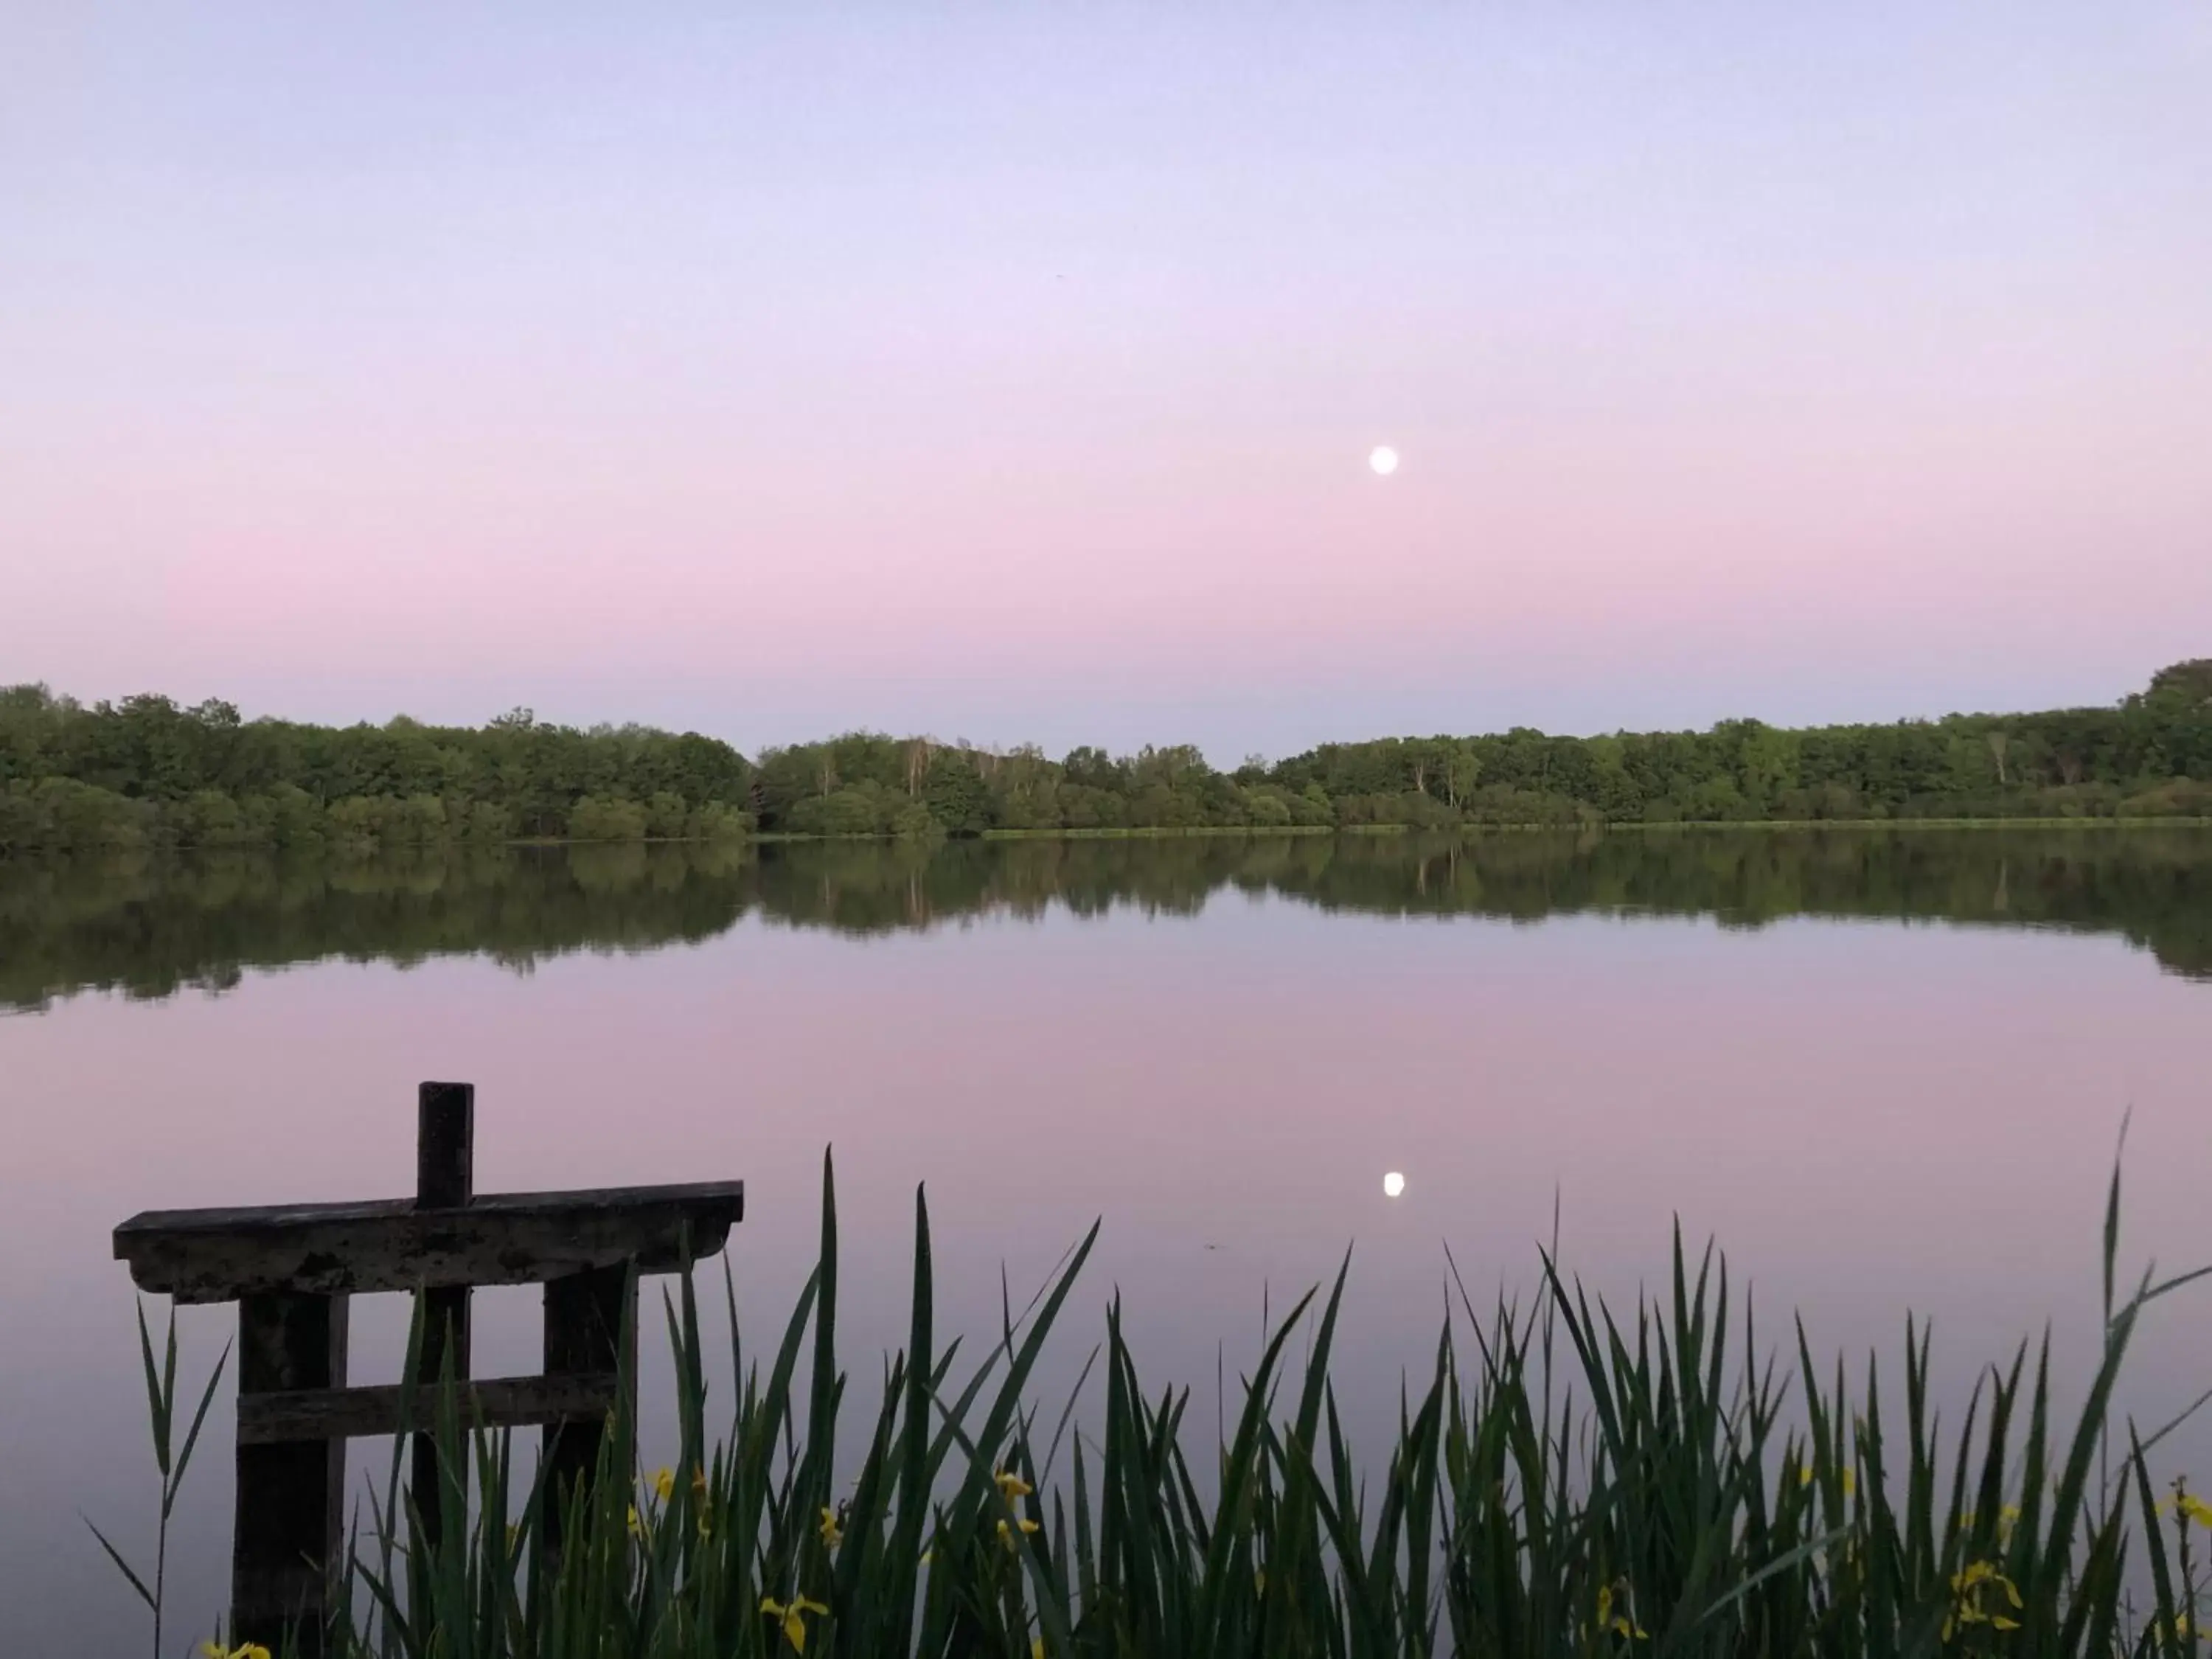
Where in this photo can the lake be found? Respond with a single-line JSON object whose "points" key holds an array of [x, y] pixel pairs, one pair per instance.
{"points": [[1886, 1069]]}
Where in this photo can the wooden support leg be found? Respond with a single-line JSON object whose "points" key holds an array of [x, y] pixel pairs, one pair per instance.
{"points": [[289, 1531], [586, 1315], [445, 1320], [445, 1179]]}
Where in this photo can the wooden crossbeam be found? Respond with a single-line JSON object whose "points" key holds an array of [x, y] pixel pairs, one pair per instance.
{"points": [[390, 1244], [504, 1402]]}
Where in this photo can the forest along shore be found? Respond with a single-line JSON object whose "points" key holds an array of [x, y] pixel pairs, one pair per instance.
{"points": [[148, 772]]}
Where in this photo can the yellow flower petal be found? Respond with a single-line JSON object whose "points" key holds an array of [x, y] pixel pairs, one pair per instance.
{"points": [[793, 1618]]}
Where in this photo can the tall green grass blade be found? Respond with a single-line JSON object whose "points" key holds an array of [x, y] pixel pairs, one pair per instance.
{"points": [[122, 1567]]}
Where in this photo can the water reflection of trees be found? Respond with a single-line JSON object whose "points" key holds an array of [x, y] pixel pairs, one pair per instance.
{"points": [[147, 929]]}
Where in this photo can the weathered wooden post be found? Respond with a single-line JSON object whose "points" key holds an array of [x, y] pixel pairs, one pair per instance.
{"points": [[289, 1515], [291, 1269], [588, 1316], [445, 1179]]}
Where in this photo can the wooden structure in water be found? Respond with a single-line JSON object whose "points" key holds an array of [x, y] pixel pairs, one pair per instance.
{"points": [[291, 1269]]}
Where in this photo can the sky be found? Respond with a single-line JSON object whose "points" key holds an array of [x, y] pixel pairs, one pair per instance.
{"points": [[1008, 373]]}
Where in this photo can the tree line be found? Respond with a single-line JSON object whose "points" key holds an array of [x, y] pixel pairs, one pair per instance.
{"points": [[147, 771]]}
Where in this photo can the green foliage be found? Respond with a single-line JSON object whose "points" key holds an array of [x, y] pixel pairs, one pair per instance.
{"points": [[955, 794], [146, 771], [2152, 755], [860, 808], [717, 820], [1562, 1482], [596, 818], [53, 815]]}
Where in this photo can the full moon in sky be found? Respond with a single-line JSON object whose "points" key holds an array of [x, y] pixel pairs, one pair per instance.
{"points": [[1392, 1184], [1384, 460]]}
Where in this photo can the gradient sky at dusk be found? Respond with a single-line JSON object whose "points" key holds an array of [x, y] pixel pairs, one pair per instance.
{"points": [[1008, 373]]}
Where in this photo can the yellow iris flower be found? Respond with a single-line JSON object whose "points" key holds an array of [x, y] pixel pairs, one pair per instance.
{"points": [[1619, 1624], [794, 1618], [832, 1533], [2188, 1506], [243, 1651], [1968, 1588]]}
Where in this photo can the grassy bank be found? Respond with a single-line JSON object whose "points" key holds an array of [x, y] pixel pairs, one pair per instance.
{"points": [[1564, 1482]]}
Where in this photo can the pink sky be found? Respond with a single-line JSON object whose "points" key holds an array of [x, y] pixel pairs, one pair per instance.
{"points": [[1011, 377]]}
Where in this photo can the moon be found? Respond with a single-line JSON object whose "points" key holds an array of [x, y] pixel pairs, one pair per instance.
{"points": [[1383, 459], [1392, 1184]]}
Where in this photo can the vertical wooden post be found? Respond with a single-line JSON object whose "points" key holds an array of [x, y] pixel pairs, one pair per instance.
{"points": [[588, 1317], [288, 1530], [445, 1179]]}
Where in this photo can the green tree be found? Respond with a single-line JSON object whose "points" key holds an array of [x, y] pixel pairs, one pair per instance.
{"points": [[955, 794]]}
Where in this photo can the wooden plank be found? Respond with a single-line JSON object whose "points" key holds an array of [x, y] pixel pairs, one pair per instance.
{"points": [[445, 1179], [288, 1526], [589, 1318], [503, 1402], [502, 1238]]}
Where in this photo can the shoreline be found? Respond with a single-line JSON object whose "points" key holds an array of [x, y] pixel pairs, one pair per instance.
{"points": [[1182, 832]]}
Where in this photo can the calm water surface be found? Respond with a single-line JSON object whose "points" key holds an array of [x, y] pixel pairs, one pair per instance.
{"points": [[1886, 1070]]}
